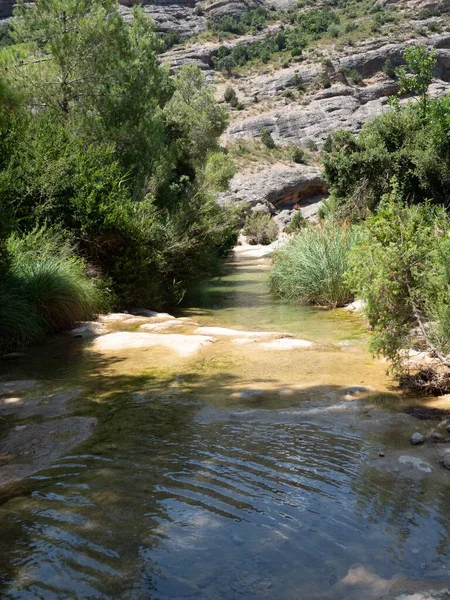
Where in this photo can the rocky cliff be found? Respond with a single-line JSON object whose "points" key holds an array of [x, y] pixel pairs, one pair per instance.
{"points": [[342, 76]]}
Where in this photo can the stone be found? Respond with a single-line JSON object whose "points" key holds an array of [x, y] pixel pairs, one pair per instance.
{"points": [[448, 428], [436, 436], [283, 219], [416, 438], [285, 344], [35, 447], [285, 187], [446, 460], [183, 345], [11, 387]]}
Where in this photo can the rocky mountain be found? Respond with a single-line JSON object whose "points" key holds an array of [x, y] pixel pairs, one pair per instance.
{"points": [[297, 70]]}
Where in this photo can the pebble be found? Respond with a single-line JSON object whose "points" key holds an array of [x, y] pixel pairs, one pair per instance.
{"points": [[416, 438], [415, 551], [436, 436], [448, 427], [381, 454]]}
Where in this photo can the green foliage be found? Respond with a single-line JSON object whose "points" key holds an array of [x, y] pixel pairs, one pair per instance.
{"points": [[47, 289], [352, 75], [299, 156], [399, 143], [219, 169], [388, 68], [230, 96], [400, 269], [260, 228], [311, 267], [297, 223], [252, 21], [99, 142], [416, 77], [267, 139]]}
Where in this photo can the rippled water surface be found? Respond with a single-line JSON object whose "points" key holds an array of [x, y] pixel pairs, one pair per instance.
{"points": [[236, 474]]}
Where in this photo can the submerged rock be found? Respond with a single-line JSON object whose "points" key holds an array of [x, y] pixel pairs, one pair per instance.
{"points": [[10, 387], [26, 450], [416, 439]]}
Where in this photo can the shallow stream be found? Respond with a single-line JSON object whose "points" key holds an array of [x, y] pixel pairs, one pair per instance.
{"points": [[240, 472]]}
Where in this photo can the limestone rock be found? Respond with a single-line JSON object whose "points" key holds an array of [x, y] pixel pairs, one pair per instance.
{"points": [[283, 186], [179, 17]]}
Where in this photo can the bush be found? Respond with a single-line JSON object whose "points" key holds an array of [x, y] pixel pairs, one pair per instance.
{"points": [[399, 267], [311, 267], [299, 156], [260, 229], [230, 96], [311, 145], [297, 223], [401, 143], [219, 170], [267, 139], [352, 75], [46, 290]]}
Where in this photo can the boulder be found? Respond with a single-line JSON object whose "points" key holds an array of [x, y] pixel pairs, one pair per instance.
{"points": [[282, 186]]}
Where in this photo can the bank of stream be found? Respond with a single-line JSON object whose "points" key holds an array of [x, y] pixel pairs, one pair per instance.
{"points": [[247, 449]]}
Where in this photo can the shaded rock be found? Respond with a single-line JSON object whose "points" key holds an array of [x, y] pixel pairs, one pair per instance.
{"points": [[25, 451], [416, 438], [283, 219], [280, 185], [47, 407], [11, 387], [87, 330]]}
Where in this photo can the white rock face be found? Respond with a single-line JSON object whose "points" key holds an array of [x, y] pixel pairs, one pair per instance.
{"points": [[183, 345]]}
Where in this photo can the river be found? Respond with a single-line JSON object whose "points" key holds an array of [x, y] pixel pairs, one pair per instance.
{"points": [[245, 471]]}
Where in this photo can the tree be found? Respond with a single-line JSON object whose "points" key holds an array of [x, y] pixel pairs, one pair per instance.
{"points": [[417, 76]]}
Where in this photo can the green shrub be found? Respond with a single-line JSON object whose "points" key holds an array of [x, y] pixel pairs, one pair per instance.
{"points": [[46, 290], [299, 156], [403, 142], [230, 96], [311, 267], [388, 68], [267, 139], [219, 169], [311, 145], [260, 229], [352, 75], [400, 268], [297, 223]]}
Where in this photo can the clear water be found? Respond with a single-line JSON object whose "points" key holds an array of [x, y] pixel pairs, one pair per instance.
{"points": [[190, 488]]}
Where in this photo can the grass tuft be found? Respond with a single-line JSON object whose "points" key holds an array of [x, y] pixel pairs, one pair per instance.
{"points": [[311, 267]]}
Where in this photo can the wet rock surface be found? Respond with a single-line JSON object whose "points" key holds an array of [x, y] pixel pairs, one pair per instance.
{"points": [[30, 448]]}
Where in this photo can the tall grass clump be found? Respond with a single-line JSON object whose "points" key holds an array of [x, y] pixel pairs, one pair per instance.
{"points": [[311, 267], [46, 289]]}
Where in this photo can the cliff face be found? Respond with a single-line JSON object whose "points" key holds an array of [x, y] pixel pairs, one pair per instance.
{"points": [[340, 79], [6, 6]]}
